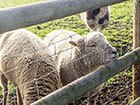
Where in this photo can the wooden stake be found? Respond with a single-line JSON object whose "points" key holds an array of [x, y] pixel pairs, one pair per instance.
{"points": [[136, 43]]}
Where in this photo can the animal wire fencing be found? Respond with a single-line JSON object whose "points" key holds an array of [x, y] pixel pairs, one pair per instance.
{"points": [[117, 90]]}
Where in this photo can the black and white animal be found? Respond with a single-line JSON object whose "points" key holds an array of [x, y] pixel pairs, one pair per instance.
{"points": [[97, 19]]}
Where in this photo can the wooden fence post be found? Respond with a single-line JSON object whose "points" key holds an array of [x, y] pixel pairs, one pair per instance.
{"points": [[136, 102], [136, 43]]}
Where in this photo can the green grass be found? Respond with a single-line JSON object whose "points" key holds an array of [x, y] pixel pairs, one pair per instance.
{"points": [[12, 3], [119, 32]]}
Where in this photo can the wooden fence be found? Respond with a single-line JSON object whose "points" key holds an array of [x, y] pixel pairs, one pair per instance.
{"points": [[24, 16], [27, 15], [84, 84], [136, 43]]}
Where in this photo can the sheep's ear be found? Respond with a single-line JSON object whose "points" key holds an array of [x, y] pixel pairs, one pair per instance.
{"points": [[73, 43]]}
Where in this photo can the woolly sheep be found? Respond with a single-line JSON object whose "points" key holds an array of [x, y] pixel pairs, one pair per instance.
{"points": [[97, 19], [88, 53], [22, 49]]}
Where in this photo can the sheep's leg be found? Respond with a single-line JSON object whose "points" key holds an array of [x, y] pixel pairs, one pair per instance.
{"points": [[19, 98], [4, 83]]}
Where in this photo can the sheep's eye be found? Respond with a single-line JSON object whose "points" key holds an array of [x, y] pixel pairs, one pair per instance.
{"points": [[92, 44]]}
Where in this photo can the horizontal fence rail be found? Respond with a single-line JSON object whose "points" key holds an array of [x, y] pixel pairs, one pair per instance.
{"points": [[136, 102], [32, 14], [84, 84]]}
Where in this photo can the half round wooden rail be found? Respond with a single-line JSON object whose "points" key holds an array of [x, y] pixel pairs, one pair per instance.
{"points": [[86, 83], [32, 14]]}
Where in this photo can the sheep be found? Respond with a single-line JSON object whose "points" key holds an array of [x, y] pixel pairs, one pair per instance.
{"points": [[29, 58], [98, 19], [87, 54]]}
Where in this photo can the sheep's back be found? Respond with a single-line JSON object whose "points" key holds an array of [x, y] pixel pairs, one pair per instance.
{"points": [[28, 58], [18, 47], [58, 40]]}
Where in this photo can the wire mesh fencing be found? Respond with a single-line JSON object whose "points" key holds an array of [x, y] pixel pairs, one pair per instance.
{"points": [[118, 90]]}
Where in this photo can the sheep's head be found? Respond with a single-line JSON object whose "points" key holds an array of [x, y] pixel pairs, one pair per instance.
{"points": [[95, 49]]}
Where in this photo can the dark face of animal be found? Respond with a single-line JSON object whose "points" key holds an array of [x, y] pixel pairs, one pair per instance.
{"points": [[93, 14], [106, 17], [98, 18]]}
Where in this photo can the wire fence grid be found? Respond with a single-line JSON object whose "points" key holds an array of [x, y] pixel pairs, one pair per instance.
{"points": [[121, 84], [113, 92]]}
